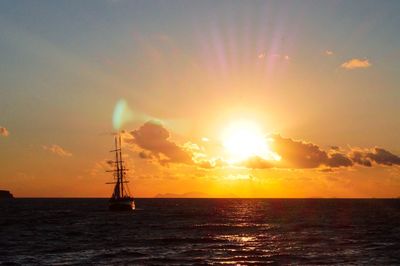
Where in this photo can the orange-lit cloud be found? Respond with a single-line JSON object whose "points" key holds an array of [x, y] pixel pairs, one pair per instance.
{"points": [[338, 160], [358, 157], [153, 138], [58, 150], [375, 155], [299, 155], [356, 63], [4, 132], [154, 143], [256, 162], [261, 55]]}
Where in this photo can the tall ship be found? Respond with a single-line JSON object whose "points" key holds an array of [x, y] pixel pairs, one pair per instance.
{"points": [[121, 199]]}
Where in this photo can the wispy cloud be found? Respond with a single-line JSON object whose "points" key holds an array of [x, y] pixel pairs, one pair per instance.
{"points": [[329, 52], [273, 55], [261, 55], [58, 150], [101, 167], [4, 132], [356, 63]]}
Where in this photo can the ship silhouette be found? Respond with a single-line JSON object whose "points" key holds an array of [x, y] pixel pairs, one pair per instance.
{"points": [[121, 199]]}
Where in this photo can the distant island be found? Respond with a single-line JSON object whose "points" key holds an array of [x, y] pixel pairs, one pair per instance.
{"points": [[193, 194], [5, 194], [184, 195]]}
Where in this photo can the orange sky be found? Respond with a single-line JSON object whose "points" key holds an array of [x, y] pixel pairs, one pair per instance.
{"points": [[227, 99]]}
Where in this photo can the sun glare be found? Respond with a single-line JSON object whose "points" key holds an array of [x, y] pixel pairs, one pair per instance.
{"points": [[245, 139]]}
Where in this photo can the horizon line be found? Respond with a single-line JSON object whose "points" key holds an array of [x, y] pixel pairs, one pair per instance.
{"points": [[270, 198]]}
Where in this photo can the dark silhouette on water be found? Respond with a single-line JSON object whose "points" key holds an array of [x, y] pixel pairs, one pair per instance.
{"points": [[121, 199], [5, 194]]}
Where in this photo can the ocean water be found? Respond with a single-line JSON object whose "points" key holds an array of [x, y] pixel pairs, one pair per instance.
{"points": [[200, 231]]}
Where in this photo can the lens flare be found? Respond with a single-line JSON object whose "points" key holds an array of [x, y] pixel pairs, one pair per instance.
{"points": [[122, 114]]}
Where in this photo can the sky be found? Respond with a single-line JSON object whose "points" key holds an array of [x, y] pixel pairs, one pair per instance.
{"points": [[212, 98]]}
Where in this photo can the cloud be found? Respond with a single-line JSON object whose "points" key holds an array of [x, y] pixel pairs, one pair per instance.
{"points": [[261, 55], [328, 52], [154, 138], [256, 162], [154, 143], [376, 155], [358, 157], [56, 149], [299, 155], [145, 155], [356, 63], [101, 167], [382, 156], [264, 55], [338, 160], [4, 132]]}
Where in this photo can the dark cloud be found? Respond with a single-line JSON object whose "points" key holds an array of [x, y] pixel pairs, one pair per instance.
{"points": [[376, 155], [145, 155], [154, 138], [298, 154], [338, 160], [382, 156], [358, 157]]}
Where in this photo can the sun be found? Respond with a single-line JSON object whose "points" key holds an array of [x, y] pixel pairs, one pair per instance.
{"points": [[244, 139]]}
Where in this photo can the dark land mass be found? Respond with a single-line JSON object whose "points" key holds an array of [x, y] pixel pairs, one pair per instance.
{"points": [[5, 194]]}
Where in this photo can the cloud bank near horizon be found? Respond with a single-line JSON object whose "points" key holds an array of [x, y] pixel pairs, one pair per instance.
{"points": [[152, 142]]}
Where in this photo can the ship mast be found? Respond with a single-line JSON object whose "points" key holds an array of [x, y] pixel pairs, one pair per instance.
{"points": [[121, 198], [119, 171], [117, 190], [121, 168]]}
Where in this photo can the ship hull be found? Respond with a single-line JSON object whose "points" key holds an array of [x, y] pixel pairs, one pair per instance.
{"points": [[121, 205]]}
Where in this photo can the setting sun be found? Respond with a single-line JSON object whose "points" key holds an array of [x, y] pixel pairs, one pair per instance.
{"points": [[245, 139]]}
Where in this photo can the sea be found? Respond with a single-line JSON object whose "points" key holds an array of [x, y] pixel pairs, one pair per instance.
{"points": [[201, 232]]}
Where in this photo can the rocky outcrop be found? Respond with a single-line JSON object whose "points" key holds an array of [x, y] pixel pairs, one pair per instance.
{"points": [[5, 194]]}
